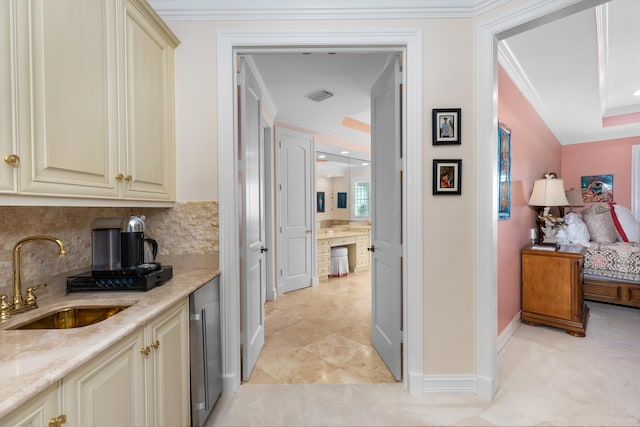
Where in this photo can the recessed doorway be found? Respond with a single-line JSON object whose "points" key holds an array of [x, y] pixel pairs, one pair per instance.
{"points": [[233, 42]]}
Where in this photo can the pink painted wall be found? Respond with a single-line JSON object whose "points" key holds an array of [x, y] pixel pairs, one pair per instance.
{"points": [[601, 158], [534, 151]]}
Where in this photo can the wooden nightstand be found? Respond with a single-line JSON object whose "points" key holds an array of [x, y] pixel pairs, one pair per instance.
{"points": [[552, 291]]}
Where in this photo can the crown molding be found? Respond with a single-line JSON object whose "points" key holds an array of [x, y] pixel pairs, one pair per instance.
{"points": [[258, 10], [512, 67]]}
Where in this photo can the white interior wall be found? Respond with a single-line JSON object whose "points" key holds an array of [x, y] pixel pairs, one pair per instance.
{"points": [[196, 112]]}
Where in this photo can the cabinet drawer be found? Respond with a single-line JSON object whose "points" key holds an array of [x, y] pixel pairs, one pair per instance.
{"points": [[323, 251], [338, 241], [324, 243], [323, 269], [361, 262], [363, 240]]}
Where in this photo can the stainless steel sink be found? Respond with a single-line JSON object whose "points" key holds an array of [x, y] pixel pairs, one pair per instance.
{"points": [[73, 317]]}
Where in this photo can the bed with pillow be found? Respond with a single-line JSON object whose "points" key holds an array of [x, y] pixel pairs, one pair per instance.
{"points": [[612, 259]]}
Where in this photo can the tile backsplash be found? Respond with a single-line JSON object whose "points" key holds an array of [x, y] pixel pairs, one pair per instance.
{"points": [[189, 228]]}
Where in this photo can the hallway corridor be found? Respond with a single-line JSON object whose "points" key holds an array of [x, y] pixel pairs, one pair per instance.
{"points": [[321, 335]]}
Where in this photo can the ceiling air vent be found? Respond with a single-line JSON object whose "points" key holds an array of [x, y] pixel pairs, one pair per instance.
{"points": [[319, 95]]}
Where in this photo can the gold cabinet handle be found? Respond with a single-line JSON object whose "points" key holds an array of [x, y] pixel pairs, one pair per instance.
{"points": [[145, 350], [58, 421], [12, 160], [128, 178], [119, 177], [155, 344]]}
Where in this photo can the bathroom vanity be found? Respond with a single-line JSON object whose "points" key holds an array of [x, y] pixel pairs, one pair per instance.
{"points": [[357, 243]]}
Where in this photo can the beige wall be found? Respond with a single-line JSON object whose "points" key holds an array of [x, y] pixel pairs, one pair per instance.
{"points": [[449, 221]]}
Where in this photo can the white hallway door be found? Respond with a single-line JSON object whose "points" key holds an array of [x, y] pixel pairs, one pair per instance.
{"points": [[252, 233], [386, 225], [295, 215]]}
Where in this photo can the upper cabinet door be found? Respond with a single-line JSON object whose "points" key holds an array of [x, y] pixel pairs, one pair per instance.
{"points": [[8, 183], [68, 116], [150, 141]]}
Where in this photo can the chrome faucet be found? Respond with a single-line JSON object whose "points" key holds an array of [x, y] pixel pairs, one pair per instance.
{"points": [[19, 304]]}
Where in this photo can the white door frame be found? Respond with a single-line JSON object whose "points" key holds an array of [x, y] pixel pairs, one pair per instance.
{"points": [[269, 200], [229, 41], [635, 180], [488, 33]]}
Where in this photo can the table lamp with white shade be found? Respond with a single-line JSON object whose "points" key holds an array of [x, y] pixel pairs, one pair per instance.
{"points": [[547, 193]]}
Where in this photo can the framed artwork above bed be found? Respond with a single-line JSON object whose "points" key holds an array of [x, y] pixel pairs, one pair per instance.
{"points": [[597, 188]]}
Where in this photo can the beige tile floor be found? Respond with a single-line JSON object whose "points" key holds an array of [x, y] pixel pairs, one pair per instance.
{"points": [[321, 335], [546, 377]]}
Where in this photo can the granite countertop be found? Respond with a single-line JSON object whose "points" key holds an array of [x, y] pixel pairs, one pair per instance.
{"points": [[32, 360]]}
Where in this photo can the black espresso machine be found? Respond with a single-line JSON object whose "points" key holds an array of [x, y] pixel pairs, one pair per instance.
{"points": [[122, 258]]}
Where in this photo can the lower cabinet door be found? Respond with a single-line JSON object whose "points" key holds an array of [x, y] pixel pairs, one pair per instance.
{"points": [[168, 368], [109, 390], [38, 411]]}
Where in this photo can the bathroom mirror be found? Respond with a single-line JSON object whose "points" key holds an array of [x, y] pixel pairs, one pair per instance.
{"points": [[345, 182]]}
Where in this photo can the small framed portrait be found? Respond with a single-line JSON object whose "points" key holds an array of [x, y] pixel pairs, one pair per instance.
{"points": [[320, 201], [342, 200], [446, 126], [447, 176]]}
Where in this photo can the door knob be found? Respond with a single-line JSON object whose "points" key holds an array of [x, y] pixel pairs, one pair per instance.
{"points": [[12, 160], [263, 249], [372, 249], [58, 421]]}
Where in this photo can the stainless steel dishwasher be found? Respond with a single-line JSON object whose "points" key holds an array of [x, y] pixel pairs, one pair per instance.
{"points": [[206, 354]]}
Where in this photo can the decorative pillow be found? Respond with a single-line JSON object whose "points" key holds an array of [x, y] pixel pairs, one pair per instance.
{"points": [[574, 231], [627, 227], [599, 222]]}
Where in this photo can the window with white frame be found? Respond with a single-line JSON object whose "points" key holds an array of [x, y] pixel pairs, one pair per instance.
{"points": [[362, 199]]}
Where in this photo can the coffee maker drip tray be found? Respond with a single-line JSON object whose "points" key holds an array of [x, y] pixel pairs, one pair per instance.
{"points": [[142, 278]]}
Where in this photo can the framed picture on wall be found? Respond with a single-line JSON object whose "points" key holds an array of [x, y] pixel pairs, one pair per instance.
{"points": [[447, 177], [597, 188], [320, 201], [446, 126], [342, 200], [504, 173]]}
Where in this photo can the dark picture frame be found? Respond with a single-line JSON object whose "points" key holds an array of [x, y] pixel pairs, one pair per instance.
{"points": [[342, 200], [447, 125], [447, 176], [320, 201]]}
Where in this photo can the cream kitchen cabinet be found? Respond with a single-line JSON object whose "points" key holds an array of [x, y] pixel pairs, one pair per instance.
{"points": [[42, 410], [8, 173], [167, 367], [150, 148], [94, 100], [143, 380]]}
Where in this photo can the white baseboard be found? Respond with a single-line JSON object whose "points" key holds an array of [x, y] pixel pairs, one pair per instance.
{"points": [[484, 387], [450, 384], [230, 384], [506, 334]]}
